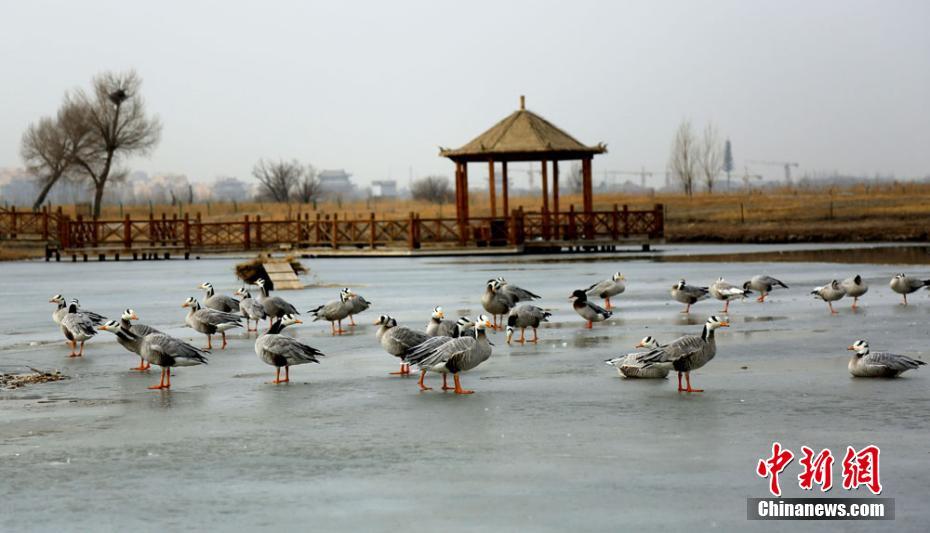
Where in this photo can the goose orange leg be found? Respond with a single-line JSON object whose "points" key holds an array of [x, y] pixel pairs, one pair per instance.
{"points": [[607, 303], [223, 347], [142, 365], [687, 309], [680, 388], [404, 370], [209, 342], [81, 353], [420, 382], [340, 331], [73, 347], [535, 336], [726, 307], [688, 381], [522, 335], [352, 321], [458, 386], [161, 383], [832, 311], [589, 325], [445, 385]]}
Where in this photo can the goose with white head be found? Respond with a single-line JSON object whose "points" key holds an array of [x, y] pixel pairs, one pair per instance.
{"points": [[630, 366], [334, 311], [357, 304], [275, 306], [398, 340], [250, 308], [904, 285], [440, 326], [613, 286], [855, 287], [77, 328], [687, 353], [868, 364], [688, 294], [763, 284], [159, 349], [725, 292], [526, 316], [830, 293], [452, 356], [282, 351], [220, 302], [138, 330], [209, 321]]}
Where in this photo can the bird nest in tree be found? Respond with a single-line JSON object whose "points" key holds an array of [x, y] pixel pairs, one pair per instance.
{"points": [[252, 270]]}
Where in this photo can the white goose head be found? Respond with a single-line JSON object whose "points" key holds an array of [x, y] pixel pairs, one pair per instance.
{"points": [[618, 277], [714, 322], [129, 314], [192, 303], [861, 347], [648, 342], [437, 313]]}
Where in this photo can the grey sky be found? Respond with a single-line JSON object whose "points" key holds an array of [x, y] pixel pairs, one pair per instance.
{"points": [[375, 87]]}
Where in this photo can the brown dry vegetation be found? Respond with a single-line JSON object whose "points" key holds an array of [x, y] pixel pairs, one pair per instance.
{"points": [[863, 213]]}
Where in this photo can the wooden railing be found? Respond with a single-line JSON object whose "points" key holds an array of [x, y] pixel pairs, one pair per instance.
{"points": [[192, 233]]}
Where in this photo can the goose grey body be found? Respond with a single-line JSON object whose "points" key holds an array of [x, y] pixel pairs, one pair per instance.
{"points": [[514, 293], [210, 321], [588, 310], [904, 285], [495, 301], [688, 294], [867, 364], [439, 326], [77, 327], [607, 288], [161, 350], [62, 309], [219, 302], [855, 287], [132, 340], [526, 316], [763, 284], [725, 292], [398, 340], [282, 351], [629, 366], [687, 353], [275, 306], [830, 293], [334, 311], [251, 309], [452, 356], [357, 303]]}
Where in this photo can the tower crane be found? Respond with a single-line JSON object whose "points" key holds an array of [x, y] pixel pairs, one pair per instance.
{"points": [[786, 164], [747, 177], [643, 174]]}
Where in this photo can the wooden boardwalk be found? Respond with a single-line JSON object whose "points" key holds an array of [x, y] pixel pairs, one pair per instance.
{"points": [[162, 237]]}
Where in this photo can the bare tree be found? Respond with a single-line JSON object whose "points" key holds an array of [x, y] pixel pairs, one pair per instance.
{"points": [[575, 178], [433, 189], [710, 160], [683, 161], [278, 179], [107, 126], [309, 187], [46, 151]]}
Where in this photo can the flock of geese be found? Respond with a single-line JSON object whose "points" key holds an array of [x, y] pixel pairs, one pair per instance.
{"points": [[449, 346]]}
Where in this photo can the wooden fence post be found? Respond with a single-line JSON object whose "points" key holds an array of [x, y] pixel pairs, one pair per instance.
{"points": [[247, 233], [626, 220], [411, 238], [513, 227], [199, 223], [659, 225], [615, 223], [319, 230], [372, 232], [573, 234], [45, 223], [64, 231], [13, 222], [258, 231], [187, 231], [152, 231], [334, 235], [127, 232]]}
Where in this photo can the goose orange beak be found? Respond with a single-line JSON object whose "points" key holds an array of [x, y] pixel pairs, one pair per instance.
{"points": [[851, 348], [103, 328], [724, 324], [134, 317], [376, 322], [640, 345], [298, 321]]}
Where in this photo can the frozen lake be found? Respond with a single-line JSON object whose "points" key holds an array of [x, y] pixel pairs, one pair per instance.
{"points": [[552, 439]]}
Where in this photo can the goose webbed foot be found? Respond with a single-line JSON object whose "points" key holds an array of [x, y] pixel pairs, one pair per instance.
{"points": [[458, 386]]}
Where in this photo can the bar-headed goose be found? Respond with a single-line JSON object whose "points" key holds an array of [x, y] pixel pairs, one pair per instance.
{"points": [[516, 294], [357, 304], [62, 310], [209, 321], [866, 364], [609, 287], [587, 310], [496, 302], [275, 306], [250, 308], [161, 350], [398, 340], [452, 356], [855, 287], [687, 353], [631, 367], [140, 330], [688, 294], [280, 350], [334, 311], [830, 293], [220, 302], [525, 316], [77, 328], [904, 284], [725, 292], [439, 326], [763, 285]]}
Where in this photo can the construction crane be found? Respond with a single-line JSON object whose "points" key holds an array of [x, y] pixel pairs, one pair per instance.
{"points": [[643, 174], [747, 177], [786, 164]]}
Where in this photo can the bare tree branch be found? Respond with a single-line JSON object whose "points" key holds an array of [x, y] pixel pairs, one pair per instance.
{"points": [[278, 179], [309, 187], [710, 160], [684, 156], [433, 189]]}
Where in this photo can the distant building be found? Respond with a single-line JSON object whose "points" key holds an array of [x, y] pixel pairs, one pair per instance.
{"points": [[230, 190], [384, 189], [336, 183]]}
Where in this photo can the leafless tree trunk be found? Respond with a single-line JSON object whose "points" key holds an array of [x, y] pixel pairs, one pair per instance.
{"points": [[684, 157], [46, 151], [279, 179], [711, 157], [433, 189], [309, 187], [575, 178]]}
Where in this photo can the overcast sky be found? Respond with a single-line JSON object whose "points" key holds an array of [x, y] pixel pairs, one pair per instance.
{"points": [[376, 87]]}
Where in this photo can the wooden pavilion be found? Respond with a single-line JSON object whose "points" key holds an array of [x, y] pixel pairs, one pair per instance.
{"points": [[522, 136]]}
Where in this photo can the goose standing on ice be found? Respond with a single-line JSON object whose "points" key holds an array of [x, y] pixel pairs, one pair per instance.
{"points": [[866, 364], [688, 294], [398, 341], [452, 356], [220, 302], [687, 353], [763, 285], [281, 351], [439, 326], [334, 311], [357, 304], [138, 331], [830, 293], [607, 288], [62, 310], [725, 292], [631, 367], [587, 310], [251, 309], [161, 350], [904, 285], [275, 306], [525, 316], [516, 294], [855, 287], [77, 328], [209, 321], [496, 301]]}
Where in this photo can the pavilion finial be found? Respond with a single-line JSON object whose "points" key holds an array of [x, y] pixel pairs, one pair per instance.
{"points": [[522, 102]]}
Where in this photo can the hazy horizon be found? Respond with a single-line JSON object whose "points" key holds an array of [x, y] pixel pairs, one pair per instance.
{"points": [[376, 88]]}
